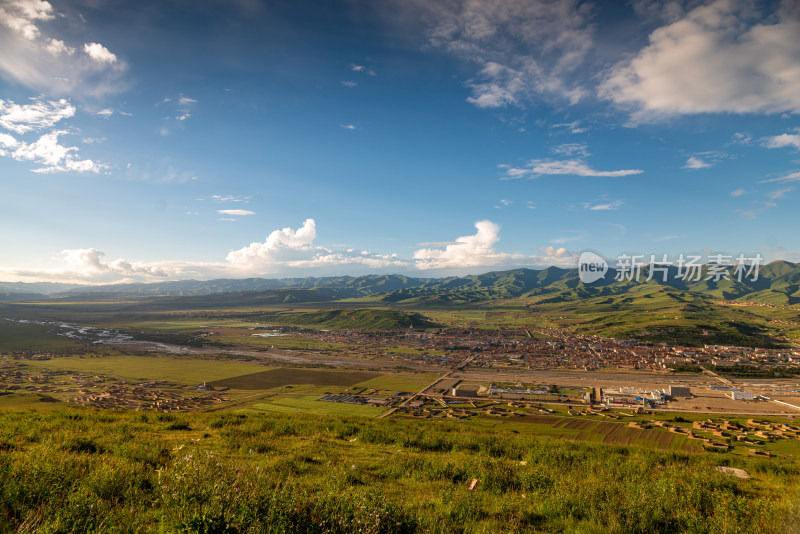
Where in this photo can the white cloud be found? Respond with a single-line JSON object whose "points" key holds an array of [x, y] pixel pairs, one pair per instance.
{"points": [[229, 198], [791, 177], [741, 138], [45, 62], [666, 238], [347, 126], [348, 83], [467, 251], [53, 156], [566, 239], [292, 252], [783, 140], [737, 192], [57, 47], [40, 114], [19, 16], [477, 251], [748, 214], [575, 167], [779, 193], [715, 59], [603, 206], [524, 49], [236, 212], [696, 163], [99, 53], [571, 150], [571, 127]]}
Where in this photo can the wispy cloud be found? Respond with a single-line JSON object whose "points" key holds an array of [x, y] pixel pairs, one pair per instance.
{"points": [[239, 213], [696, 163], [571, 150], [737, 193], [779, 193], [525, 50], [566, 239], [603, 205], [575, 167], [230, 198], [791, 177], [347, 126], [574, 127]]}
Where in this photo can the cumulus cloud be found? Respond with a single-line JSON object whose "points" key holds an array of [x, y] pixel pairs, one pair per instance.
{"points": [[45, 62], [99, 53], [576, 167], [783, 140], [524, 49], [477, 251], [467, 251], [291, 252], [48, 152], [715, 59], [37, 115]]}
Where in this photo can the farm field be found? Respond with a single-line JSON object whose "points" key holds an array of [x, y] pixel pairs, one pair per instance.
{"points": [[310, 404], [292, 376], [184, 371], [32, 337]]}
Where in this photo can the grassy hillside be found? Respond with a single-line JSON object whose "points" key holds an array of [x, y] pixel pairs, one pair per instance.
{"points": [[83, 471], [343, 319]]}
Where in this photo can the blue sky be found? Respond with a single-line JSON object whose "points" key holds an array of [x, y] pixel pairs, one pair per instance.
{"points": [[168, 140]]}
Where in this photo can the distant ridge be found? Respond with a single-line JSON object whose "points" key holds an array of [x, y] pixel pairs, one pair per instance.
{"points": [[778, 284]]}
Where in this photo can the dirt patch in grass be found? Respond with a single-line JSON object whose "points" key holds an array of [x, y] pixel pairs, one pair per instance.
{"points": [[288, 376]]}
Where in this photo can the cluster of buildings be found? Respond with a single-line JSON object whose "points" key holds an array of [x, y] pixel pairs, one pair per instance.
{"points": [[545, 349], [142, 398]]}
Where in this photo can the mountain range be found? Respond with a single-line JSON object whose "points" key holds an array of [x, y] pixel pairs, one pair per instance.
{"points": [[778, 283]]}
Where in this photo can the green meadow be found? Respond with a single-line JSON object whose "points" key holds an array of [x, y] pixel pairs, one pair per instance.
{"points": [[101, 471]]}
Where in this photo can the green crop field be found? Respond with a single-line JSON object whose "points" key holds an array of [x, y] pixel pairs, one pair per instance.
{"points": [[311, 405], [16, 336], [290, 376], [178, 370]]}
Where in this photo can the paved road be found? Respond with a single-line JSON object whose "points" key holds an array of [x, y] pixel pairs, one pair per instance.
{"points": [[421, 391]]}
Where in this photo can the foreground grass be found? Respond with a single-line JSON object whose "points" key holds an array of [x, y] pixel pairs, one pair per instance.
{"points": [[91, 471]]}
